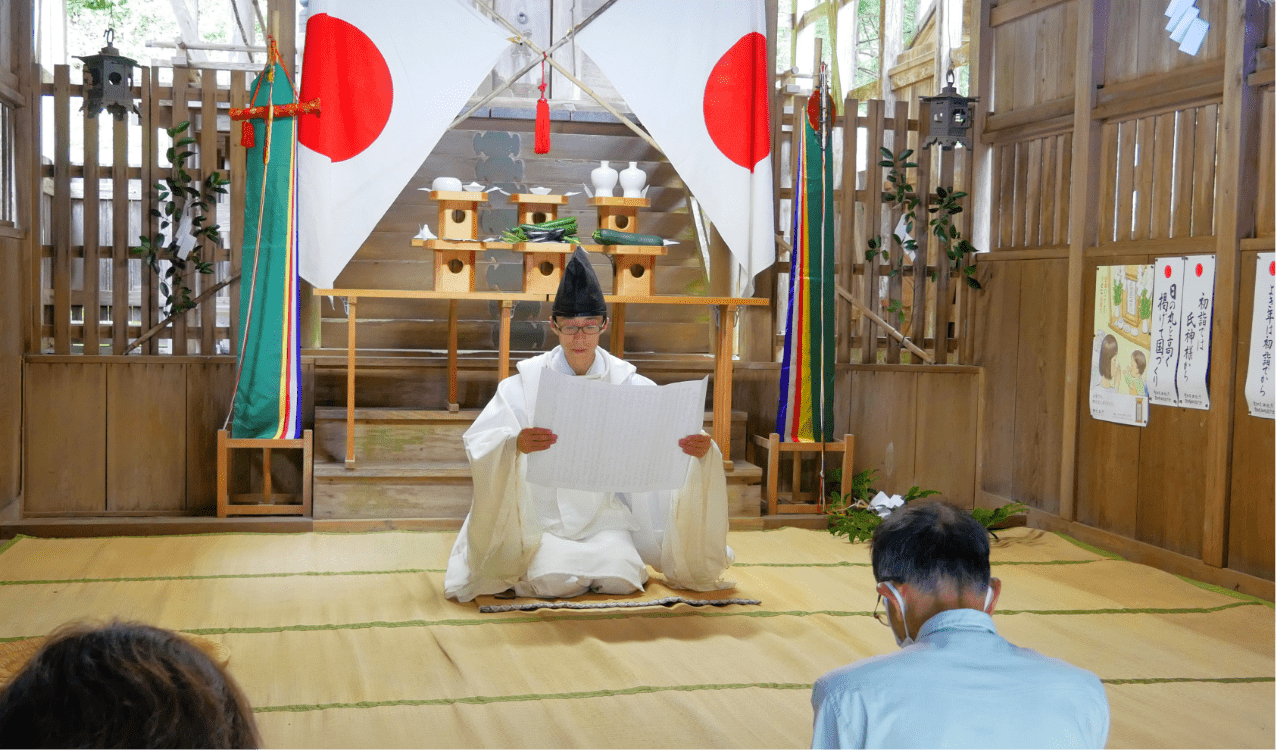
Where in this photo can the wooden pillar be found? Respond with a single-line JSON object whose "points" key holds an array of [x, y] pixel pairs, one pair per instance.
{"points": [[722, 382], [286, 34], [27, 159], [351, 314], [1234, 202], [453, 405], [1092, 24], [61, 217], [238, 198]]}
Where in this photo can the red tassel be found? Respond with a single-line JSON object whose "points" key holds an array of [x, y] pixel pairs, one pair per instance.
{"points": [[246, 134], [542, 114], [542, 127]]}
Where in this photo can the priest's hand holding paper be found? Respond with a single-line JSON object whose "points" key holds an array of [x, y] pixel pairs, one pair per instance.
{"points": [[533, 439], [695, 446]]}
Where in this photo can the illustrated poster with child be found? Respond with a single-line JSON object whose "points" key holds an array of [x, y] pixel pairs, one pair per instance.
{"points": [[1122, 340]]}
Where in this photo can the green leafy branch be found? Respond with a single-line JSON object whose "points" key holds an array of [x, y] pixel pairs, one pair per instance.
{"points": [[902, 196], [946, 206], [991, 517], [177, 199]]}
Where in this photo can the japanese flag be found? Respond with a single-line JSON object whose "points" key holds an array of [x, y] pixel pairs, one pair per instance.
{"points": [[390, 77], [695, 74]]}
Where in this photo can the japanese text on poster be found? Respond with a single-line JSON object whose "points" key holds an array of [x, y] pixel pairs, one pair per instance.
{"points": [[1260, 391]]}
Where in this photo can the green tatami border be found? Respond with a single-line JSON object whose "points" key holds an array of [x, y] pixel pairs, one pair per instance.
{"points": [[649, 689], [644, 614]]}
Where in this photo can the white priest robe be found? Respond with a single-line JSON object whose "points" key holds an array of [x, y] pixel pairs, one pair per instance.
{"points": [[534, 538]]}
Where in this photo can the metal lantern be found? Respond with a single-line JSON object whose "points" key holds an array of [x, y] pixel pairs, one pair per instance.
{"points": [[108, 81], [950, 118]]}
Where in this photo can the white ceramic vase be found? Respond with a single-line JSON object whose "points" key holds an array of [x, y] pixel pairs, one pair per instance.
{"points": [[604, 179], [633, 180]]}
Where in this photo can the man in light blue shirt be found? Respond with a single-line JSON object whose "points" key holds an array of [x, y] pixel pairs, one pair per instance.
{"points": [[955, 682]]}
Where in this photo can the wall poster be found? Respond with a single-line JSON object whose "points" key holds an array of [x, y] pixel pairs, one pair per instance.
{"points": [[1259, 388], [1120, 355], [1182, 311]]}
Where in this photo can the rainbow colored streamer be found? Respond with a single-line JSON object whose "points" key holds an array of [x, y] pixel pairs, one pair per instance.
{"points": [[806, 376]]}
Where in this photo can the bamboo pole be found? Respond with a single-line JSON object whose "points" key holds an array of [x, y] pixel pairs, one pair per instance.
{"points": [[890, 330], [212, 290]]}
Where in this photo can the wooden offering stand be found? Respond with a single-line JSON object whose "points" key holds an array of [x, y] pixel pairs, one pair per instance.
{"points": [[267, 502], [543, 262], [635, 264], [458, 243], [780, 503]]}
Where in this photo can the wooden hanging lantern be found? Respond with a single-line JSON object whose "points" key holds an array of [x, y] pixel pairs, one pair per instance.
{"points": [[108, 81], [951, 117]]}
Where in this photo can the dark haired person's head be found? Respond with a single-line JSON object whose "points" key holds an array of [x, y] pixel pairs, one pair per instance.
{"points": [[124, 685], [1107, 352], [932, 545], [1140, 361]]}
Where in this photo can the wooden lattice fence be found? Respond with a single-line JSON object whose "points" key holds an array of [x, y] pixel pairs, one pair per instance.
{"points": [[922, 297], [119, 287]]}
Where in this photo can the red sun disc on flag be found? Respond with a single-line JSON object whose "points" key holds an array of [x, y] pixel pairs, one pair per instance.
{"points": [[736, 113], [353, 85], [1167, 272], [1271, 270], [1200, 269]]}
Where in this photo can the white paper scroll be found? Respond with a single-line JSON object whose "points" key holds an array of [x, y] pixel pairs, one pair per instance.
{"points": [[1194, 333], [615, 438], [1167, 312], [1260, 389]]}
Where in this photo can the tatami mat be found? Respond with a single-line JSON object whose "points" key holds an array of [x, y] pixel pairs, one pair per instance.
{"points": [[345, 640]]}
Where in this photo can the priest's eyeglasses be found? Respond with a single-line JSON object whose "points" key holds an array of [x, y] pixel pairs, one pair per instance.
{"points": [[590, 330]]}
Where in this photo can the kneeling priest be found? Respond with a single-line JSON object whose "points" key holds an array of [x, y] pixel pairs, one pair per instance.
{"points": [[555, 543]]}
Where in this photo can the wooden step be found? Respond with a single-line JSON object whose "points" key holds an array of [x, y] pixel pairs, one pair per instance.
{"points": [[414, 435], [444, 490], [411, 435]]}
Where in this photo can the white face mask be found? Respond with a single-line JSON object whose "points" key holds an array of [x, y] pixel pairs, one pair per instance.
{"points": [[908, 640]]}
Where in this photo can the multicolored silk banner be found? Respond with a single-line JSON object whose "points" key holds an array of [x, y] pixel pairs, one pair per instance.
{"points": [[268, 391], [806, 377]]}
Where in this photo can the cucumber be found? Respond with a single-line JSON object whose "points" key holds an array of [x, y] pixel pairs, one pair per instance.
{"points": [[612, 237]]}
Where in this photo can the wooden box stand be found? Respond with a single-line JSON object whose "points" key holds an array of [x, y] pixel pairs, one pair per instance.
{"points": [[543, 262], [635, 265], [457, 246], [267, 503], [775, 448]]}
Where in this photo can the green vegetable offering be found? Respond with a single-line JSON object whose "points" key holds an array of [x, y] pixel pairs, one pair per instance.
{"points": [[557, 230], [612, 237]]}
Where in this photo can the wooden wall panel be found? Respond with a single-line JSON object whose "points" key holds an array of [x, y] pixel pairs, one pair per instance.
{"points": [[1253, 496], [1138, 44], [1042, 323], [146, 437], [1172, 479], [65, 441], [996, 332], [883, 419], [209, 388], [947, 427], [1265, 211]]}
